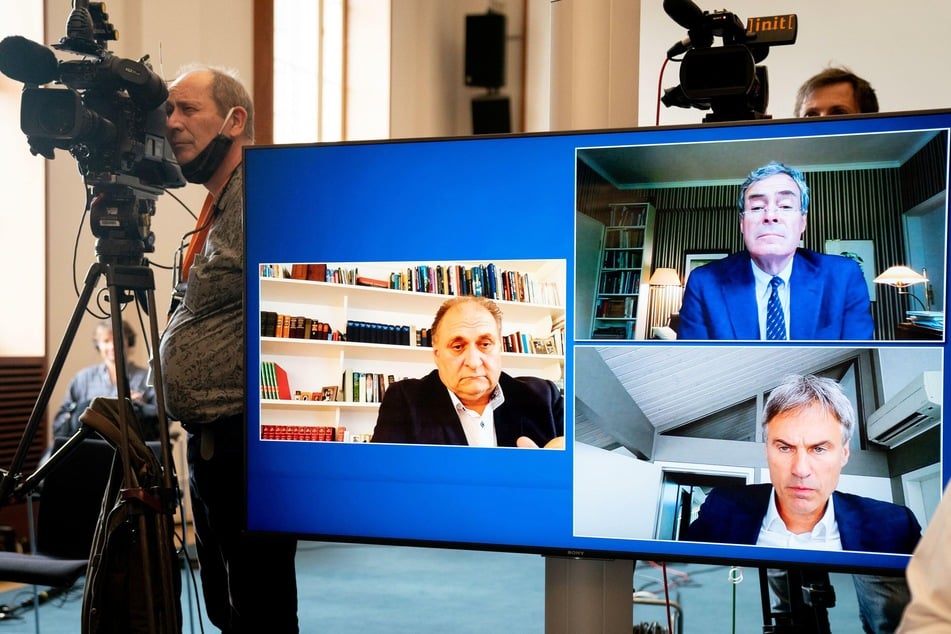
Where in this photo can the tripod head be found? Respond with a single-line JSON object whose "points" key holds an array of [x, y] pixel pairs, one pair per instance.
{"points": [[120, 216]]}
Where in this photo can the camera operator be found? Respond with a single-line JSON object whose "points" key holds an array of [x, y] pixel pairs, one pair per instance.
{"points": [[210, 119], [835, 90]]}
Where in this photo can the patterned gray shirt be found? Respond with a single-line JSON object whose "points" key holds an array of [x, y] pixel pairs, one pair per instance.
{"points": [[202, 349]]}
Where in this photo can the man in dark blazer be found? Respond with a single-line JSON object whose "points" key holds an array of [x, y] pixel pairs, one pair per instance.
{"points": [[808, 423], [467, 399], [823, 297], [734, 515]]}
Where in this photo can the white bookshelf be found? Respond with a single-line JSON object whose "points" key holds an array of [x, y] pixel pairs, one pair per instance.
{"points": [[312, 365]]}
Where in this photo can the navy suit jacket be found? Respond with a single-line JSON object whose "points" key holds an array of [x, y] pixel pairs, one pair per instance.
{"points": [[828, 300], [419, 411], [734, 515]]}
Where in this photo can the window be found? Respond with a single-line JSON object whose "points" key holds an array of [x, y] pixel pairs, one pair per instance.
{"points": [[308, 71]]}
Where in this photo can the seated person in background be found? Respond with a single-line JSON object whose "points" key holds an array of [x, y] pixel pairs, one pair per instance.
{"points": [[467, 399], [100, 380], [807, 425], [774, 290], [833, 91], [929, 576]]}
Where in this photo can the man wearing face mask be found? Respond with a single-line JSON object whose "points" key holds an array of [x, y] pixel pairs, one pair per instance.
{"points": [[210, 120]]}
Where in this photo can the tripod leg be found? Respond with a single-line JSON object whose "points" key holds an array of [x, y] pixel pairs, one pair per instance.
{"points": [[164, 537], [149, 509]]}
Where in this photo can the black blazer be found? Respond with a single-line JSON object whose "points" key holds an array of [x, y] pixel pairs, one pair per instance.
{"points": [[419, 411], [733, 515]]}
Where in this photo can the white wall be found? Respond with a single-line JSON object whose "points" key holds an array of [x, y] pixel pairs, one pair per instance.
{"points": [[899, 47], [616, 495], [900, 366], [594, 59], [368, 62], [428, 94], [22, 218]]}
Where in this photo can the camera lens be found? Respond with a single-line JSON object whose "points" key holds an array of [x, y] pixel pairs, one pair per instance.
{"points": [[50, 113]]}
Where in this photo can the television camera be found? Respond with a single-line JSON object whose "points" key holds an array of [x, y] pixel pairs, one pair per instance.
{"points": [[108, 113], [727, 79]]}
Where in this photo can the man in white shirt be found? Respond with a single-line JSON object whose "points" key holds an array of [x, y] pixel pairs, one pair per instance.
{"points": [[807, 425], [468, 399], [773, 289]]}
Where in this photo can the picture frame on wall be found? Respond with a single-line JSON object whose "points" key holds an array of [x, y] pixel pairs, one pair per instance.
{"points": [[694, 259], [862, 252]]}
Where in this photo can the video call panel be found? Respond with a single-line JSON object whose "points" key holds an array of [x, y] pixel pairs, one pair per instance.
{"points": [[620, 486]]}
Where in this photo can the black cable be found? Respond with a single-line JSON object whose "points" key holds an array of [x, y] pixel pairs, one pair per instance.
{"points": [[180, 202]]}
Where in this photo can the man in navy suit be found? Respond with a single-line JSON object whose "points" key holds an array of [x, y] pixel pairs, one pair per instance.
{"points": [[467, 399], [807, 425], [819, 297]]}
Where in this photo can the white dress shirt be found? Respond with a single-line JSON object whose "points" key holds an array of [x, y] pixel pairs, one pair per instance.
{"points": [[479, 428], [823, 536], [763, 290]]}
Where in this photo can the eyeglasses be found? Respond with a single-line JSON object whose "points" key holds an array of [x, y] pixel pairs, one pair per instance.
{"points": [[759, 210]]}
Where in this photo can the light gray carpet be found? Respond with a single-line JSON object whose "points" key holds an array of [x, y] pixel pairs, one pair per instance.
{"points": [[360, 589]]}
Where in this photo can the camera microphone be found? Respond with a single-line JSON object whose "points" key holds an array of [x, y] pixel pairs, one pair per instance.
{"points": [[26, 61], [684, 12]]}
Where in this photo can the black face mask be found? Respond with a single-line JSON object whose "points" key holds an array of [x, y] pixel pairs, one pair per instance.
{"points": [[201, 168]]}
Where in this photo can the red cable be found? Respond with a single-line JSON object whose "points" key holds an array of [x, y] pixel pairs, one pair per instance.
{"points": [[660, 80]]}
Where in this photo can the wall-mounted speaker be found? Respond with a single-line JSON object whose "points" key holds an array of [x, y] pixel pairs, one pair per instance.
{"points": [[491, 115], [485, 50]]}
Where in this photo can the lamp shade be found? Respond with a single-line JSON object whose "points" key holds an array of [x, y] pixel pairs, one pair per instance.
{"points": [[665, 277], [900, 277]]}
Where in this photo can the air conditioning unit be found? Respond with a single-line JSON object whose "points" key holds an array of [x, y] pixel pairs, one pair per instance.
{"points": [[913, 410]]}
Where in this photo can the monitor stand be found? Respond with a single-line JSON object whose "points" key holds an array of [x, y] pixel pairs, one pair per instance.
{"points": [[796, 601], [588, 595]]}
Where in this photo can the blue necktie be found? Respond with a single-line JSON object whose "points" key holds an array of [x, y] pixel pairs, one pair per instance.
{"points": [[775, 322]]}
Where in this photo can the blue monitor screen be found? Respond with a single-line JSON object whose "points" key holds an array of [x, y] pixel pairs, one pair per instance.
{"points": [[642, 392]]}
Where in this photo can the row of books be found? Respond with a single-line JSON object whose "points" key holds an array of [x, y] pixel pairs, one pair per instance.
{"points": [[274, 324], [620, 282], [304, 432], [627, 216], [624, 238], [274, 382], [486, 280], [389, 334], [480, 280], [524, 343], [312, 272], [356, 387], [286, 326], [622, 259], [365, 387], [620, 308], [309, 433]]}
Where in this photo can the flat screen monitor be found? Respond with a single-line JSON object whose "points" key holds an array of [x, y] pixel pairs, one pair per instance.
{"points": [[587, 242]]}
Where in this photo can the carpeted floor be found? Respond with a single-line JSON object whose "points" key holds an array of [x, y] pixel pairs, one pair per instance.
{"points": [[360, 589]]}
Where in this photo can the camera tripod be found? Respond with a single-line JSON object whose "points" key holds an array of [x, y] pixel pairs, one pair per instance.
{"points": [[141, 523]]}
